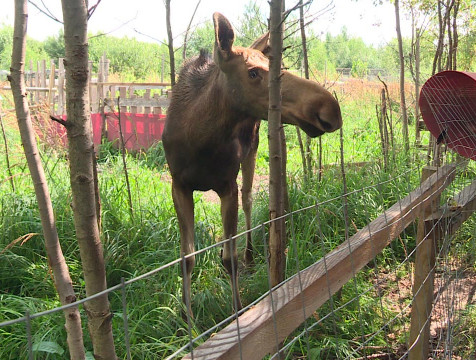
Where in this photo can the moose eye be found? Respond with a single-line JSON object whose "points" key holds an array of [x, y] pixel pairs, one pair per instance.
{"points": [[253, 73]]}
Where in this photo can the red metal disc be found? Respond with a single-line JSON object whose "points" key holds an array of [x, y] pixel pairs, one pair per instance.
{"points": [[448, 107]]}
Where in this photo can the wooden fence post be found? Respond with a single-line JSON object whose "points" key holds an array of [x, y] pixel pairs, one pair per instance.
{"points": [[60, 88], [51, 87], [42, 78], [280, 314], [427, 238]]}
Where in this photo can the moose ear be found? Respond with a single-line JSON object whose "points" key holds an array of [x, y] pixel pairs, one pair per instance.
{"points": [[262, 44], [224, 35]]}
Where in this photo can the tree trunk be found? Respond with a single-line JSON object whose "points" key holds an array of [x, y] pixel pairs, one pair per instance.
{"points": [[417, 85], [303, 152], [403, 106], [7, 157], [62, 280], [276, 233], [382, 119], [415, 70], [454, 45], [308, 156], [82, 161], [170, 42], [449, 58], [185, 37], [442, 21]]}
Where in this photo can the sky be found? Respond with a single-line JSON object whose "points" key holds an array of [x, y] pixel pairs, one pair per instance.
{"points": [[374, 24]]}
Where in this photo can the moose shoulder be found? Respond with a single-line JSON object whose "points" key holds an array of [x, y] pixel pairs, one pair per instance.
{"points": [[212, 129]]}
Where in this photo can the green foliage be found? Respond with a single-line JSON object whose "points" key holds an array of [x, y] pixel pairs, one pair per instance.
{"points": [[467, 50], [129, 57], [34, 49], [464, 336], [344, 51], [135, 60], [6, 39], [54, 46], [251, 25], [202, 38], [149, 238], [317, 54], [137, 244]]}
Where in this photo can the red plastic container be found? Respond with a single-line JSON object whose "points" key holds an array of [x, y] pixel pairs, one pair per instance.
{"points": [[448, 107]]}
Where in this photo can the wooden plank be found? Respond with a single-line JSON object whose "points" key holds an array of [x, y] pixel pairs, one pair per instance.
{"points": [[106, 67], [157, 109], [37, 82], [318, 281], [132, 96], [154, 102], [123, 96], [465, 200], [423, 275], [442, 223], [30, 88], [30, 82], [51, 87], [112, 93], [100, 90], [458, 209], [43, 76], [92, 100], [137, 86], [147, 97], [61, 88]]}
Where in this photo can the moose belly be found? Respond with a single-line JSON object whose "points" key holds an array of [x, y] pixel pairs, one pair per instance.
{"points": [[212, 169]]}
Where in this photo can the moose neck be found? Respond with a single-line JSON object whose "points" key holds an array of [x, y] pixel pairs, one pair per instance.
{"points": [[224, 112]]}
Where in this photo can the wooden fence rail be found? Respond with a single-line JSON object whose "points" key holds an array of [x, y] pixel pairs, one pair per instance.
{"points": [[141, 105], [284, 309], [433, 227], [46, 86]]}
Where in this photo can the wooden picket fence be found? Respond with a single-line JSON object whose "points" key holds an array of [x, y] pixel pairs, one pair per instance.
{"points": [[139, 106]]}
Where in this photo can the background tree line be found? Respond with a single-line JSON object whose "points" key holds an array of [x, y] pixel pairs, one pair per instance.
{"points": [[138, 60]]}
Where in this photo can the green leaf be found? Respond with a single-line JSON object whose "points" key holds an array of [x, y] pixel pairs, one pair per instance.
{"points": [[50, 347]]}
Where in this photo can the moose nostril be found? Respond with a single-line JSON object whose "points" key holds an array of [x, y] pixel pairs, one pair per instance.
{"points": [[325, 125]]}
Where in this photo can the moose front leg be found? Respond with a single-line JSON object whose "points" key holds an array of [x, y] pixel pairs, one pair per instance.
{"points": [[248, 171], [229, 215], [183, 202]]}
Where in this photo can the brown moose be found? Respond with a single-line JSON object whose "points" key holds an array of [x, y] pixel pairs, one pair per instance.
{"points": [[212, 128]]}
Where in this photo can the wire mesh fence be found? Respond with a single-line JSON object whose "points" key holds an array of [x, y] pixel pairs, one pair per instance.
{"points": [[348, 292], [384, 271]]}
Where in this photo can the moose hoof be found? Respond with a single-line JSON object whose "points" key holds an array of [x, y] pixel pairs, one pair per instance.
{"points": [[248, 258]]}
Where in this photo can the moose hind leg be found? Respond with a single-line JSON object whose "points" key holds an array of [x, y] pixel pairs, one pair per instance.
{"points": [[229, 214], [183, 203]]}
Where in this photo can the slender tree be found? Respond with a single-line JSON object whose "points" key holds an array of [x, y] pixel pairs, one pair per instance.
{"points": [[453, 36], [7, 157], [170, 42], [403, 106], [185, 38], [277, 234], [82, 175], [308, 158], [417, 32], [56, 260], [444, 9]]}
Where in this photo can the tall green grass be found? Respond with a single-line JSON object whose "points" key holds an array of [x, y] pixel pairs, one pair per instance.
{"points": [[137, 243]]}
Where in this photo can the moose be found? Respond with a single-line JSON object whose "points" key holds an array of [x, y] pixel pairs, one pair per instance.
{"points": [[212, 128]]}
